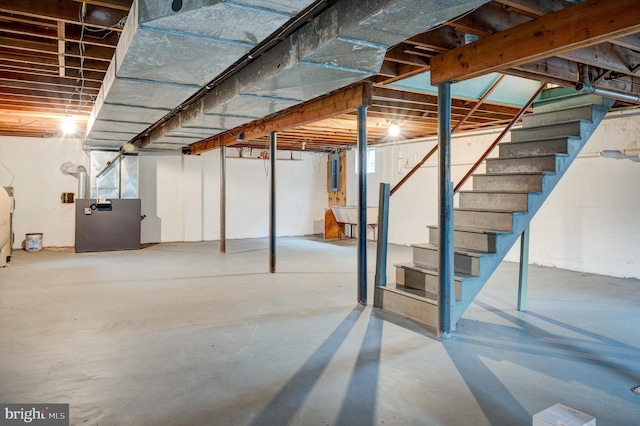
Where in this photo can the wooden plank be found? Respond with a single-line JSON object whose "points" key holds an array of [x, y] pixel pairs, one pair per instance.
{"points": [[338, 102], [579, 25], [61, 49], [112, 4], [66, 11], [332, 229]]}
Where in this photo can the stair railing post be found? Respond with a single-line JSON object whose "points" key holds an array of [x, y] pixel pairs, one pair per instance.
{"points": [[383, 231], [445, 261], [523, 275]]}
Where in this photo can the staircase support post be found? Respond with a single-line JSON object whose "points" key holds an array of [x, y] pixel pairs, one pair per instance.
{"points": [[223, 199], [445, 192], [273, 145], [523, 276], [383, 231], [362, 205]]}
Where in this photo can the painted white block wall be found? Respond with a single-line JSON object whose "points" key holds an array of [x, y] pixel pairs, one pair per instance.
{"points": [[590, 223], [38, 185], [180, 194]]}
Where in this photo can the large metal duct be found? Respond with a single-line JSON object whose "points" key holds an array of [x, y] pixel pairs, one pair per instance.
{"points": [[345, 44], [164, 56]]}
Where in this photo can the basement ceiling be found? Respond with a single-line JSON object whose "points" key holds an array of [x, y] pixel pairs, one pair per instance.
{"points": [[55, 54]]}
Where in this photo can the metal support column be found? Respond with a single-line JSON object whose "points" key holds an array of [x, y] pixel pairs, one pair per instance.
{"points": [[223, 199], [523, 277], [445, 263], [273, 145], [362, 205]]}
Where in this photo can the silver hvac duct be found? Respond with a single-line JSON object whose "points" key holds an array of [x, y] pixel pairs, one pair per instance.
{"points": [[585, 86]]}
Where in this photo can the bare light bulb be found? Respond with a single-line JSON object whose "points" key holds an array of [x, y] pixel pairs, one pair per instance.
{"points": [[68, 126], [394, 130]]}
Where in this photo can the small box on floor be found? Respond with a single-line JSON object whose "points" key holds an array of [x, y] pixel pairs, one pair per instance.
{"points": [[561, 415]]}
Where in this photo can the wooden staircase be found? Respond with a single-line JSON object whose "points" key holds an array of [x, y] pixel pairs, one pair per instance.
{"points": [[491, 216]]}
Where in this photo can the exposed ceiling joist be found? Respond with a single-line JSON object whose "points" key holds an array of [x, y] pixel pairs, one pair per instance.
{"points": [[580, 25], [339, 102], [70, 12]]}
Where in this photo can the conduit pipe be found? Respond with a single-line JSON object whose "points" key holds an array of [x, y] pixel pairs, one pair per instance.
{"points": [[585, 86]]}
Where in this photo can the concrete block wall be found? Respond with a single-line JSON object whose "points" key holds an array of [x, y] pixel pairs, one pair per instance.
{"points": [[590, 223], [38, 185], [180, 194]]}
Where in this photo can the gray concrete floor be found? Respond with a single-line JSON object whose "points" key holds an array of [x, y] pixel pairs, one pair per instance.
{"points": [[177, 334]]}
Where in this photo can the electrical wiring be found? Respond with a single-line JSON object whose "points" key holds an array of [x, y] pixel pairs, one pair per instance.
{"points": [[10, 172]]}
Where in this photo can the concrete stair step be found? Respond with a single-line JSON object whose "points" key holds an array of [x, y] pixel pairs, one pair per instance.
{"points": [[465, 262], [468, 238], [575, 112], [410, 304], [424, 279], [572, 128], [562, 145], [508, 182], [494, 200], [496, 220], [563, 97], [532, 164]]}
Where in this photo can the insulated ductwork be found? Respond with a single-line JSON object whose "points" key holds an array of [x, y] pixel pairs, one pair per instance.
{"points": [[176, 53], [168, 51]]}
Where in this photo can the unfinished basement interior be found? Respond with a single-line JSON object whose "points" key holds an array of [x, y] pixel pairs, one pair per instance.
{"points": [[320, 212]]}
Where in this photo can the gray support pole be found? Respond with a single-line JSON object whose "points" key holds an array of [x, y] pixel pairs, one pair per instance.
{"points": [[273, 146], [445, 264], [223, 199], [523, 277], [383, 232], [362, 205]]}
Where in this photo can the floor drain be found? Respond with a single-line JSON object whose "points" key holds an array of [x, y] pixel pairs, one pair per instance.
{"points": [[636, 390]]}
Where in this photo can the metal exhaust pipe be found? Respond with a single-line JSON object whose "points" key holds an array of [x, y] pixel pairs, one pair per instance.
{"points": [[586, 87]]}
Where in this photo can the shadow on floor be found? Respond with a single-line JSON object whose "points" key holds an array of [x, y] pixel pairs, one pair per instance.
{"points": [[552, 354], [359, 403]]}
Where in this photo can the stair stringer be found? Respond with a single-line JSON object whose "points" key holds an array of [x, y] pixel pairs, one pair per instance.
{"points": [[489, 262]]}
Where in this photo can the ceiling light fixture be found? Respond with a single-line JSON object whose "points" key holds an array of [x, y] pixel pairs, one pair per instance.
{"points": [[394, 130], [68, 125]]}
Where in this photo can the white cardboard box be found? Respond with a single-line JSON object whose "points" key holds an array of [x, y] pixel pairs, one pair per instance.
{"points": [[561, 415]]}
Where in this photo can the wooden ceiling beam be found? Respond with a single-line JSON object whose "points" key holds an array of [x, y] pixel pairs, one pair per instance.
{"points": [[334, 103], [399, 54], [628, 42], [55, 81], [55, 10], [488, 19], [111, 4], [576, 26], [43, 90], [73, 33], [606, 55], [439, 40], [30, 20], [70, 62], [533, 7]]}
